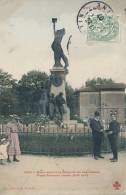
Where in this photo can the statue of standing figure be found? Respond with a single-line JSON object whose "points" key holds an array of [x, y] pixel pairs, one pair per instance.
{"points": [[43, 102], [57, 49], [60, 101], [56, 106], [51, 106]]}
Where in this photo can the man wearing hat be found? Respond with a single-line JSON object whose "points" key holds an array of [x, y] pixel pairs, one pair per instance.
{"points": [[97, 133], [113, 132]]}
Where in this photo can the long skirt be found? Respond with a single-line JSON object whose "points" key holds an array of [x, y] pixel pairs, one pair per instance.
{"points": [[14, 146]]}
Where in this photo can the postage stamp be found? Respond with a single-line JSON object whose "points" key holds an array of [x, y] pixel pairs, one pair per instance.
{"points": [[103, 28], [98, 21]]}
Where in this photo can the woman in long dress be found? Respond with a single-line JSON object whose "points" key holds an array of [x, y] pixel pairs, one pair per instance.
{"points": [[14, 146]]}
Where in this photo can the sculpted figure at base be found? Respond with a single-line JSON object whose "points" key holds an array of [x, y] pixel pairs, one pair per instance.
{"points": [[60, 101], [51, 106]]}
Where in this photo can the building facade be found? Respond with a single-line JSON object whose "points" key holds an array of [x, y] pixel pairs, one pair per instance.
{"points": [[106, 98]]}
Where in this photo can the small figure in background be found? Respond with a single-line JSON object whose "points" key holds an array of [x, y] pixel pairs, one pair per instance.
{"points": [[43, 102], [3, 150], [51, 106], [14, 146]]}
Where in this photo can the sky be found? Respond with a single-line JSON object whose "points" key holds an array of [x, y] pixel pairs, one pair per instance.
{"points": [[26, 34]]}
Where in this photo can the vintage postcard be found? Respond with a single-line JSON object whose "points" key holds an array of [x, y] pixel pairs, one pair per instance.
{"points": [[62, 97]]}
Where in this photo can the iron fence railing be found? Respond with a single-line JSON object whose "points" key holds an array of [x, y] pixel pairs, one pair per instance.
{"points": [[75, 139]]}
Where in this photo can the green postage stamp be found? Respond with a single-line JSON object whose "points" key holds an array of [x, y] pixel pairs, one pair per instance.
{"points": [[97, 20], [103, 28]]}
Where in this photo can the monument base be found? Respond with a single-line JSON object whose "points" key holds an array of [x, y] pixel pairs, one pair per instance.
{"points": [[66, 122], [58, 82], [70, 126], [66, 115]]}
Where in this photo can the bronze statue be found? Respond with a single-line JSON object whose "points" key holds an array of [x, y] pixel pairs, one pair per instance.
{"points": [[57, 49], [60, 101]]}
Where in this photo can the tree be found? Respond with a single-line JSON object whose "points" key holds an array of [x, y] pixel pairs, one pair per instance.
{"points": [[93, 82], [29, 90], [7, 101], [34, 79], [7, 93], [6, 80]]}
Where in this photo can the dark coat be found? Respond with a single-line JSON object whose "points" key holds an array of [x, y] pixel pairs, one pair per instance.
{"points": [[95, 125], [114, 126]]}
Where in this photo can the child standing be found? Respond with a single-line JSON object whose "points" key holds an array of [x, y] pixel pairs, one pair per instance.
{"points": [[3, 150]]}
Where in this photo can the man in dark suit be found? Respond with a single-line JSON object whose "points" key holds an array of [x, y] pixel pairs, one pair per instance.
{"points": [[113, 131], [97, 133]]}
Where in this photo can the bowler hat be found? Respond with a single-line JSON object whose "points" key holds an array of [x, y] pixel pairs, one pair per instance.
{"points": [[97, 113]]}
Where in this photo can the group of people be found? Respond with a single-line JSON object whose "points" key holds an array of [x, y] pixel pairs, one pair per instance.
{"points": [[98, 132], [52, 105], [9, 145]]}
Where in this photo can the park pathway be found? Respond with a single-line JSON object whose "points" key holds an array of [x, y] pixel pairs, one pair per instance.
{"points": [[44, 175]]}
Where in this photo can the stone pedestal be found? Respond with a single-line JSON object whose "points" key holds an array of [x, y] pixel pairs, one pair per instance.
{"points": [[58, 78], [58, 81]]}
